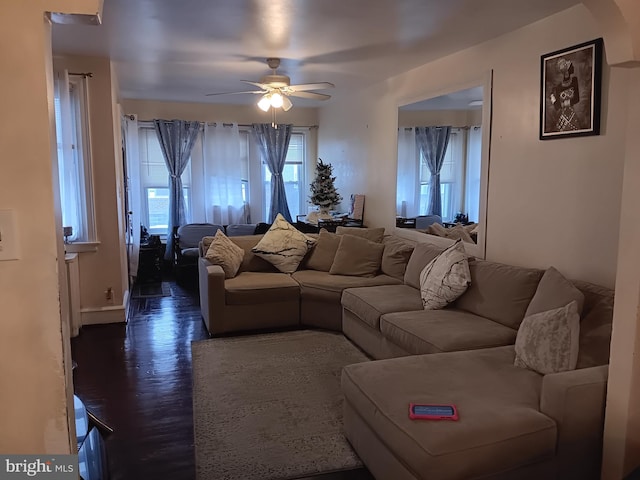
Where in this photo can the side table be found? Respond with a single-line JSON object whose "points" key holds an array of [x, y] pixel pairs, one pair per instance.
{"points": [[150, 263]]}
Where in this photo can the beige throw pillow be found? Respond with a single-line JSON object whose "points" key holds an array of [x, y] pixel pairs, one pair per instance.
{"points": [[323, 253], [548, 342], [395, 257], [283, 245], [357, 256], [225, 253], [373, 234], [554, 291], [445, 278]]}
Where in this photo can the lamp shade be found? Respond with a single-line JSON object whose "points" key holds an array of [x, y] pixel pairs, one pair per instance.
{"points": [[286, 103], [264, 103], [276, 100]]}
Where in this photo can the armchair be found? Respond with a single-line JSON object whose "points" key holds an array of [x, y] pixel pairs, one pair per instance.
{"points": [[185, 246]]}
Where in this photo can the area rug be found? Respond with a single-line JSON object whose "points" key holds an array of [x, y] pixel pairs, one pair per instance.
{"points": [[152, 290], [269, 406]]}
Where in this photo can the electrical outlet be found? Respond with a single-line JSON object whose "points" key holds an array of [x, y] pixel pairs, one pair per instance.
{"points": [[109, 294]]}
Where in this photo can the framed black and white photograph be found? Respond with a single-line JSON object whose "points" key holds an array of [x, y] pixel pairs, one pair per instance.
{"points": [[570, 88]]}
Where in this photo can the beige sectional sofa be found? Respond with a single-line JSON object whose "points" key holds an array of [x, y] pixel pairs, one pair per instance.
{"points": [[261, 297], [514, 422]]}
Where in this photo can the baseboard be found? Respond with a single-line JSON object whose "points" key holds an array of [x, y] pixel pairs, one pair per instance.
{"points": [[110, 314]]}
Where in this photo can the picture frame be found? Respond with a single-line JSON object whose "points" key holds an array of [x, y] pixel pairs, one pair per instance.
{"points": [[570, 91]]}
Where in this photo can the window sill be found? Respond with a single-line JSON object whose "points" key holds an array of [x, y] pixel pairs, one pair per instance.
{"points": [[81, 247]]}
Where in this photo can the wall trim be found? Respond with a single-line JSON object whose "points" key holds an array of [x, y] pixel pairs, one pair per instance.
{"points": [[101, 315]]}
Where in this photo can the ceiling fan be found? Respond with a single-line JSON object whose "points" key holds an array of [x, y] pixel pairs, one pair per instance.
{"points": [[275, 89]]}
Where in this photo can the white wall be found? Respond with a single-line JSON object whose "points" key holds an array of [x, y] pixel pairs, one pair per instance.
{"points": [[425, 118], [550, 202]]}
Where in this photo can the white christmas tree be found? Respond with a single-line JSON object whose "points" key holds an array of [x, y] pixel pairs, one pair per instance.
{"points": [[323, 191]]}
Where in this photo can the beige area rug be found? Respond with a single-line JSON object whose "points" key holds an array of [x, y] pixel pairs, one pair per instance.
{"points": [[270, 406]]}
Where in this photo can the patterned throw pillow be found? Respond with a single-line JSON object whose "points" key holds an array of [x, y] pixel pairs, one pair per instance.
{"points": [[548, 342], [445, 278], [283, 246], [225, 253]]}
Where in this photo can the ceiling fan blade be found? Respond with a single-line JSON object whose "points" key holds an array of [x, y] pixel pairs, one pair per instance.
{"points": [[302, 87], [235, 93], [310, 95], [263, 86]]}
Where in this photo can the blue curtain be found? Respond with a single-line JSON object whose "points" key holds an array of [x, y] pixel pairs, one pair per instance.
{"points": [[274, 143], [176, 139], [433, 142]]}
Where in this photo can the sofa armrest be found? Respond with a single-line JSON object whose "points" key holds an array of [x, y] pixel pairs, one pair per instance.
{"points": [[212, 298], [576, 401]]}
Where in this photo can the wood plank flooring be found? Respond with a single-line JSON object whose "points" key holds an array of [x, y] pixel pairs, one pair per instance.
{"points": [[137, 378]]}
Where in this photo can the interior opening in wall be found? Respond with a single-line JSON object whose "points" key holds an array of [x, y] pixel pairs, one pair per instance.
{"points": [[443, 158]]}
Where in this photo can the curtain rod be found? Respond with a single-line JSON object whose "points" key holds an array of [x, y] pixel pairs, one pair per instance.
{"points": [[82, 74], [468, 127], [213, 124]]}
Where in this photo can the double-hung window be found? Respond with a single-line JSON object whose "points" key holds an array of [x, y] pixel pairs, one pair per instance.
{"points": [[154, 180], [293, 176], [74, 156]]}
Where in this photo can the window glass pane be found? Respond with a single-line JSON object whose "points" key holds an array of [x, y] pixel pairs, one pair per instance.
{"points": [[154, 177]]}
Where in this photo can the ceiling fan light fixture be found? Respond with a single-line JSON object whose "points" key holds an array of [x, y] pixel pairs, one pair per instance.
{"points": [[264, 103]]}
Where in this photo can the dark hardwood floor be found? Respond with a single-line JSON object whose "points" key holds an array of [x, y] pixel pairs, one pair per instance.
{"points": [[137, 378]]}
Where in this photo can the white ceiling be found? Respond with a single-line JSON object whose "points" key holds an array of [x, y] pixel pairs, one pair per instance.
{"points": [[180, 50]]}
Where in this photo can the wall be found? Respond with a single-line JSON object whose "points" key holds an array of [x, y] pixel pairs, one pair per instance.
{"points": [[550, 203], [33, 345], [209, 112], [426, 118], [107, 258]]}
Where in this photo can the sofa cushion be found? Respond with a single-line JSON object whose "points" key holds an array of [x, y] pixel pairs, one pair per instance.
{"points": [[554, 291], [447, 330], [372, 234], [225, 253], [369, 303], [499, 292], [260, 287], [322, 255], [250, 263], [420, 258], [445, 278], [595, 335], [337, 283], [283, 245], [395, 256], [357, 256], [500, 425], [547, 342]]}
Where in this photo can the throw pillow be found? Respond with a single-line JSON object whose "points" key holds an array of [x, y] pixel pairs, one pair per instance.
{"points": [[283, 246], [554, 291], [548, 342], [395, 256], [373, 234], [445, 278], [322, 255], [357, 256], [225, 253]]}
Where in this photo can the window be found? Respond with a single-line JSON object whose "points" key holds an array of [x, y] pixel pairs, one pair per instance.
{"points": [[154, 179], [74, 156], [459, 176], [293, 176]]}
